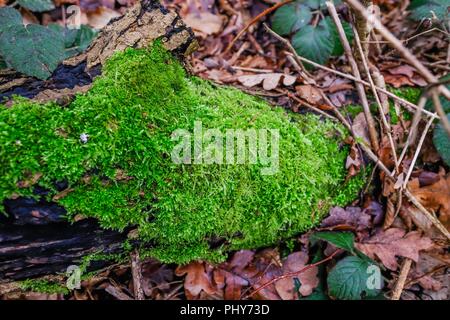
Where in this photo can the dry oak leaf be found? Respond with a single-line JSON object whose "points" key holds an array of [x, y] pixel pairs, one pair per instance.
{"points": [[101, 17], [198, 279], [360, 127], [388, 244], [435, 197], [309, 93], [231, 283], [269, 80], [308, 279], [352, 216], [205, 22]]}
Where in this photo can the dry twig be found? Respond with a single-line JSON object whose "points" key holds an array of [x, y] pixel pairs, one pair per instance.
{"points": [[398, 289], [359, 87]]}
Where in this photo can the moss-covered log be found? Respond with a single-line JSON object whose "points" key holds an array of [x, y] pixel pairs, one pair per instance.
{"points": [[109, 155], [146, 21]]}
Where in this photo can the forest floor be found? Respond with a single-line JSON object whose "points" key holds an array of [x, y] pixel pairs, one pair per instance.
{"points": [[382, 226]]}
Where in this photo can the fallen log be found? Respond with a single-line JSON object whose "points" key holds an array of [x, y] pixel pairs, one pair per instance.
{"points": [[115, 147], [35, 237], [139, 27]]}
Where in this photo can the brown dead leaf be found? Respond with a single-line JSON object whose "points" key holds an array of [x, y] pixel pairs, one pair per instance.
{"points": [[405, 70], [403, 75], [198, 279], [101, 17], [388, 244], [308, 279], [353, 162], [309, 93], [360, 128], [435, 197], [205, 22], [397, 80], [352, 216], [156, 278], [270, 81], [231, 284]]}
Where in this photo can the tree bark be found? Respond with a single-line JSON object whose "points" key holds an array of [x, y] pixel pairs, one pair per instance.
{"points": [[35, 237], [138, 28]]}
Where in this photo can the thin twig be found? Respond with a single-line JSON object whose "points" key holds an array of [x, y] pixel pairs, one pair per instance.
{"points": [[137, 276], [410, 106], [406, 266], [253, 21], [418, 149], [359, 87], [377, 99], [440, 110], [292, 274], [397, 44], [367, 149], [289, 46]]}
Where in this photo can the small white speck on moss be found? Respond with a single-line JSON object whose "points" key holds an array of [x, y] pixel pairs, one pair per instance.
{"points": [[84, 137]]}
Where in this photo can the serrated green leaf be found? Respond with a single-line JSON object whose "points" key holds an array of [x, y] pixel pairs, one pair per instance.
{"points": [[75, 40], [422, 9], [317, 4], [85, 36], [69, 35], [351, 279], [342, 240], [441, 141], [9, 17], [290, 18], [314, 43], [444, 101], [2, 64], [338, 49], [33, 50], [37, 5]]}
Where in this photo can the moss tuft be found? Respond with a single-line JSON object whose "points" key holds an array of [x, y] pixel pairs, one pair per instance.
{"points": [[43, 286], [122, 174]]}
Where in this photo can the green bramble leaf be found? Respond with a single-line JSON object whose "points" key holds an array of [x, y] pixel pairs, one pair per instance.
{"points": [[342, 240], [318, 4], [354, 278], [9, 17], [444, 101], [33, 49], [75, 40], [291, 18], [314, 43], [428, 9], [37, 5], [441, 141], [338, 49]]}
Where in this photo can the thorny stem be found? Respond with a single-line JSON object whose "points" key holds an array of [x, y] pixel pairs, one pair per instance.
{"points": [[292, 274]]}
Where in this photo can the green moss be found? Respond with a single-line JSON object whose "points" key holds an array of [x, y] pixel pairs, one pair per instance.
{"points": [[123, 175], [410, 94], [44, 286]]}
